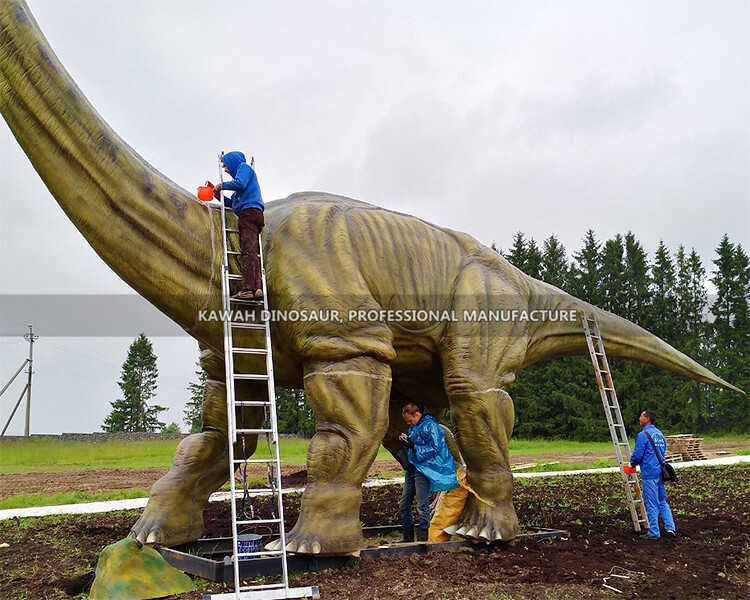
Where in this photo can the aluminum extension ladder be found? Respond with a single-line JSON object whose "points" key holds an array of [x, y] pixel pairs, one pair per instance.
{"points": [[264, 591], [614, 419]]}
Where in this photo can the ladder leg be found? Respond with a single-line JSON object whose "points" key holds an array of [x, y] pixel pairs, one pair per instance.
{"points": [[350, 401]]}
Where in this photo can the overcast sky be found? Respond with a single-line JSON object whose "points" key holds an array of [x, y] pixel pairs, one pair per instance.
{"points": [[486, 117]]}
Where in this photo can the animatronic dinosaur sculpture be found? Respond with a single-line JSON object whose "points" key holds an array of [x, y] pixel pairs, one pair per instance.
{"points": [[321, 251]]}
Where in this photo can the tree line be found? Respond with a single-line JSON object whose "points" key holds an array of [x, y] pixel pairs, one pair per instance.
{"points": [[666, 295]]}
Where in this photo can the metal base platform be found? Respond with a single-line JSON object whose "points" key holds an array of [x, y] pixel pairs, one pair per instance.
{"points": [[208, 558]]}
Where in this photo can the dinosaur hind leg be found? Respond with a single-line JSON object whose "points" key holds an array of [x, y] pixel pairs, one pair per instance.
{"points": [[174, 513], [483, 422], [350, 401]]}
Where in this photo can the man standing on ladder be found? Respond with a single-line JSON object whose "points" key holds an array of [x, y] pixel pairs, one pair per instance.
{"points": [[647, 443], [247, 204]]}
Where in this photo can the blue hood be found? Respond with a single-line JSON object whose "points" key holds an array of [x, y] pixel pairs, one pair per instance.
{"points": [[232, 160]]}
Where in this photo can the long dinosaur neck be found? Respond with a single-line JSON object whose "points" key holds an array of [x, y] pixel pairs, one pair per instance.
{"points": [[149, 230]]}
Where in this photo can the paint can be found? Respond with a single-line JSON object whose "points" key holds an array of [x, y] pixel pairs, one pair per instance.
{"points": [[248, 543]]}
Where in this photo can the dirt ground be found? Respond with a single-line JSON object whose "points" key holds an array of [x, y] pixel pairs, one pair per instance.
{"points": [[109, 480], [54, 557]]}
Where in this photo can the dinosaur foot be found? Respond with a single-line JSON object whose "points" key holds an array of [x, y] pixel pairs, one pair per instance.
{"points": [[485, 523], [328, 525], [171, 517], [330, 539]]}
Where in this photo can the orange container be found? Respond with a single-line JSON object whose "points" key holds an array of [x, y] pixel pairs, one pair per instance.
{"points": [[629, 470], [206, 193]]}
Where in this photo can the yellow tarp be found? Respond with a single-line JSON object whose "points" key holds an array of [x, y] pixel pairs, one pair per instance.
{"points": [[449, 508]]}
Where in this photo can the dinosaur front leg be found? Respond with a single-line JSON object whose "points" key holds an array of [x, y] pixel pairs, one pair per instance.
{"points": [[483, 422], [350, 401], [174, 513]]}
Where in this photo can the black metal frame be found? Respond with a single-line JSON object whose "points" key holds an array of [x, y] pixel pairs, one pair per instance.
{"points": [[196, 557]]}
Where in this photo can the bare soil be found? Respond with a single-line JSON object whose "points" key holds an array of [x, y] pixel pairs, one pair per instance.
{"points": [[54, 557], [109, 480]]}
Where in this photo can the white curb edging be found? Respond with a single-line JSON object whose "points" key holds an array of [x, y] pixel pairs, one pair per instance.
{"points": [[134, 503]]}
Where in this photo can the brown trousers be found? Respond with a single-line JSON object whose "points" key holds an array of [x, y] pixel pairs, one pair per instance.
{"points": [[250, 225]]}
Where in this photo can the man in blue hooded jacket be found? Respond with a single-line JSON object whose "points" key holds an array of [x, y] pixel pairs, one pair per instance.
{"points": [[247, 203], [430, 469], [654, 493]]}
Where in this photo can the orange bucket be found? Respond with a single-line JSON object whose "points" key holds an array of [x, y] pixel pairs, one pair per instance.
{"points": [[206, 193]]}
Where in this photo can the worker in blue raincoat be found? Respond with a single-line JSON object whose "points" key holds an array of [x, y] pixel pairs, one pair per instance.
{"points": [[247, 203], [654, 492], [430, 468]]}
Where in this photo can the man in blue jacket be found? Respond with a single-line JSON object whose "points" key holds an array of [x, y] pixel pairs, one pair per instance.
{"points": [[247, 203], [430, 469], [654, 493]]}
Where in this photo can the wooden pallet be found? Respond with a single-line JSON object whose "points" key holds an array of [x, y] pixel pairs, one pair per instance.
{"points": [[686, 446]]}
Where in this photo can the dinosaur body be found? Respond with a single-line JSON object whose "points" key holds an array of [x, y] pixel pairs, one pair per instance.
{"points": [[322, 252]]}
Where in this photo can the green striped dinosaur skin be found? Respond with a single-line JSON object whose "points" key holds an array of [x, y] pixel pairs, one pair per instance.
{"points": [[321, 251]]}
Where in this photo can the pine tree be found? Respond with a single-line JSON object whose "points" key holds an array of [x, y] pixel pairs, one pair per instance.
{"points": [[637, 281], [585, 272], [730, 335], [613, 276], [138, 386], [554, 263], [691, 300], [518, 254], [193, 414], [664, 311], [533, 266]]}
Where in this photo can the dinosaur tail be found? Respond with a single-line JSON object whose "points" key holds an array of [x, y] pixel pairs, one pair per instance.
{"points": [[622, 339]]}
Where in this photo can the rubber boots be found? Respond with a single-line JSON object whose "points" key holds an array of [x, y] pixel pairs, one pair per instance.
{"points": [[407, 534], [422, 534]]}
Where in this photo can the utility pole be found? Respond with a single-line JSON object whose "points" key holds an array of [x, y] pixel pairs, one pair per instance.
{"points": [[31, 337]]}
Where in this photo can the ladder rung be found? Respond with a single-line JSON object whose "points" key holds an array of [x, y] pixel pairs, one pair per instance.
{"points": [[255, 431], [258, 521], [599, 353], [252, 403], [262, 553], [234, 252], [249, 350], [255, 491], [609, 389], [251, 376], [257, 301], [618, 425], [239, 461], [230, 230], [247, 325], [234, 276], [261, 586]]}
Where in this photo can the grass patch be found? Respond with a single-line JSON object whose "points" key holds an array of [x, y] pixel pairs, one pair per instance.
{"points": [[555, 466], [27, 500], [553, 447], [742, 451], [47, 456]]}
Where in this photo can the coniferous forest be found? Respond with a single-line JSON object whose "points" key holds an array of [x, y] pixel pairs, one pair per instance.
{"points": [[666, 294]]}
